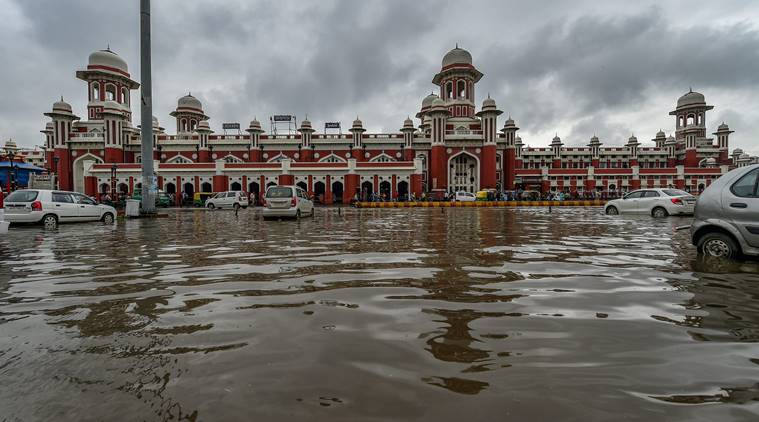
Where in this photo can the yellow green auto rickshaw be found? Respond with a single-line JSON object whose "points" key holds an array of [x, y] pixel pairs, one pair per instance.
{"points": [[199, 198]]}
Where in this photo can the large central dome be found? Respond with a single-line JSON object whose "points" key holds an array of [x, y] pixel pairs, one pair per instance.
{"points": [[457, 56]]}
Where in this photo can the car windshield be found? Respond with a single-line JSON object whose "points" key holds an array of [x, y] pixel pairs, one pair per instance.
{"points": [[675, 192], [22, 196], [279, 192]]}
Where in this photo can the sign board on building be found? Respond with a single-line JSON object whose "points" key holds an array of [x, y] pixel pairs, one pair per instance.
{"points": [[332, 125], [283, 117], [230, 126], [41, 181]]}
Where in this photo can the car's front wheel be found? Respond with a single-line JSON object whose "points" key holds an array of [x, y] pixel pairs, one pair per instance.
{"points": [[718, 245], [108, 218], [659, 212], [612, 210], [211, 206], [50, 222]]}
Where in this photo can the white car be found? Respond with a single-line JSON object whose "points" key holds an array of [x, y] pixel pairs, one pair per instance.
{"points": [[463, 196], [287, 201], [231, 199], [654, 202], [51, 207]]}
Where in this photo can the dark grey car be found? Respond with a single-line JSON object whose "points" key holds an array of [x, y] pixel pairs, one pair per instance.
{"points": [[726, 220]]}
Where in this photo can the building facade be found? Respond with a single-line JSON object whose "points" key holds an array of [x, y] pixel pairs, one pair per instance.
{"points": [[453, 146]]}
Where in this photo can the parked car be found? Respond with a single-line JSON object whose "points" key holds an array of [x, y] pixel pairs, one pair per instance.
{"points": [[287, 201], [51, 207], [161, 199], [229, 199], [463, 196], [726, 221], [655, 202]]}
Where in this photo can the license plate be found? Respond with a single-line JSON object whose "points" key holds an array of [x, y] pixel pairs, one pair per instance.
{"points": [[280, 205]]}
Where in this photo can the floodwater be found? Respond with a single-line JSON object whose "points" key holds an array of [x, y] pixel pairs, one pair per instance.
{"points": [[380, 314]]}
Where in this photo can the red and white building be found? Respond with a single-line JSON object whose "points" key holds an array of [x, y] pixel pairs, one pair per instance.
{"points": [[454, 147]]}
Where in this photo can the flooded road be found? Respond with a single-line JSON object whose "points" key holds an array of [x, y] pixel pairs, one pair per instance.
{"points": [[474, 314]]}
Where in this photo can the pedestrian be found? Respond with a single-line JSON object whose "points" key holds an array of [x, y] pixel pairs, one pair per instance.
{"points": [[253, 201]]}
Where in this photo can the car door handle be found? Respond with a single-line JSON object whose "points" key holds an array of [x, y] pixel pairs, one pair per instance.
{"points": [[57, 205], [81, 206], [738, 205]]}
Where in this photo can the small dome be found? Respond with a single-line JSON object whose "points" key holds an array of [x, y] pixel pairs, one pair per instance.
{"points": [[427, 102], [661, 134], [305, 124], [107, 58], [737, 151], [254, 124], [408, 122], [488, 103], [556, 139], [438, 103], [155, 121], [594, 140], [691, 98], [744, 157], [357, 123], [509, 122], [518, 140], [62, 106], [723, 126], [670, 141], [632, 140], [203, 124], [10, 144], [457, 56], [188, 101]]}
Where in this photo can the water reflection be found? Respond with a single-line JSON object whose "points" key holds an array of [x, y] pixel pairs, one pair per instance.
{"points": [[371, 314]]}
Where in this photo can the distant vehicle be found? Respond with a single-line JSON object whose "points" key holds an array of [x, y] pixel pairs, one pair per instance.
{"points": [[530, 195], [463, 196], [199, 198], [654, 202], [51, 207], [161, 199], [229, 199], [726, 221], [287, 201]]}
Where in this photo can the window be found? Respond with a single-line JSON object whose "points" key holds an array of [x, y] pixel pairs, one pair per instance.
{"points": [[449, 90], [22, 196], [690, 119], [62, 197], [651, 194], [462, 89], [675, 192], [633, 195], [124, 96], [95, 91], [747, 186], [110, 93], [81, 199]]}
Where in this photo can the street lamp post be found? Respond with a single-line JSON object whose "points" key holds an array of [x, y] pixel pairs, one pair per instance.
{"points": [[11, 172]]}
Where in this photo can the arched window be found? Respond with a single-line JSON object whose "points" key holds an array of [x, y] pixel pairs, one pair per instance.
{"points": [[95, 91], [183, 125], [700, 118], [690, 119], [461, 89], [680, 124], [193, 125], [124, 96], [110, 92], [449, 90], [138, 158]]}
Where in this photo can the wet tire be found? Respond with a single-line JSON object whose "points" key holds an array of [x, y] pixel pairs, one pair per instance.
{"points": [[108, 218], [50, 222], [211, 206], [612, 210], [659, 212], [718, 245]]}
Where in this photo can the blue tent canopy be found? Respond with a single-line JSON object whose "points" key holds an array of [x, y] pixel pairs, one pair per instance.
{"points": [[21, 170]]}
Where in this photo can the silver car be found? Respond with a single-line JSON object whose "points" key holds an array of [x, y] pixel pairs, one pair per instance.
{"points": [[726, 221]]}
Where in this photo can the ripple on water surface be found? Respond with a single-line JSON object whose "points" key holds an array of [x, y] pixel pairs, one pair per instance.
{"points": [[407, 314]]}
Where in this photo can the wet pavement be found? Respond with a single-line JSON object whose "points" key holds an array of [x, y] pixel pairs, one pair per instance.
{"points": [[379, 314]]}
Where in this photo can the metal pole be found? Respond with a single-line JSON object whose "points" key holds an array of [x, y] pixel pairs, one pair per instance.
{"points": [[146, 115]]}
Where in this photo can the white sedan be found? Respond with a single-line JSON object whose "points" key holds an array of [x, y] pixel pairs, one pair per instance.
{"points": [[463, 196], [654, 202]]}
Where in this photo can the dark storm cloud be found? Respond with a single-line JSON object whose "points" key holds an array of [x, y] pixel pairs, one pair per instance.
{"points": [[574, 68]]}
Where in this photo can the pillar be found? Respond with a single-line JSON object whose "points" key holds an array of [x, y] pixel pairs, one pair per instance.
{"points": [[90, 185], [131, 185], [438, 168], [328, 190], [349, 189], [219, 183], [509, 168], [416, 185], [178, 194], [393, 188], [488, 167], [286, 179]]}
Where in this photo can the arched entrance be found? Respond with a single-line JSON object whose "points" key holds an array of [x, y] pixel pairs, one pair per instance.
{"points": [[337, 192], [169, 187], [319, 191], [206, 187], [104, 188], [255, 189], [79, 166], [403, 191], [367, 189], [123, 189], [236, 186], [302, 185], [385, 190], [189, 189], [464, 173]]}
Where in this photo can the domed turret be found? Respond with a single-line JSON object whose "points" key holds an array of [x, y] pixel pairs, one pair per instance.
{"points": [[691, 98], [457, 56], [10, 145], [357, 124], [670, 140], [107, 60], [437, 103], [661, 134], [488, 103], [427, 101], [204, 126], [62, 106], [408, 123], [306, 124], [189, 102], [254, 125]]}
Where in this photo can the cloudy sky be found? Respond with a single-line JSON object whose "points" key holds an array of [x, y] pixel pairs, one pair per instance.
{"points": [[573, 68]]}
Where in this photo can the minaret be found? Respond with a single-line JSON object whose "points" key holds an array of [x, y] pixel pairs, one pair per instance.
{"points": [[510, 153], [489, 116], [108, 79], [357, 131], [408, 130], [62, 118], [632, 147], [189, 113], [113, 122], [671, 146], [661, 137], [690, 123], [556, 145], [49, 145], [457, 79], [255, 131], [204, 152], [723, 133], [438, 158], [306, 130]]}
